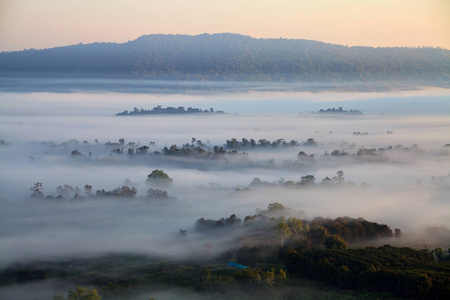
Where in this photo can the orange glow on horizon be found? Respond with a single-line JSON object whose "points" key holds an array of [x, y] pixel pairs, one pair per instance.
{"points": [[48, 23]]}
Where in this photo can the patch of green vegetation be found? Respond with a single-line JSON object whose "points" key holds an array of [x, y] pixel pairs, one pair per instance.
{"points": [[404, 272]]}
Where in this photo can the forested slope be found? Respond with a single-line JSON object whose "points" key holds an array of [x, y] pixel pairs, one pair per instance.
{"points": [[234, 57]]}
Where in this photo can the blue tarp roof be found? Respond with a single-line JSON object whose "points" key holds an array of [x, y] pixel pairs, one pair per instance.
{"points": [[232, 264]]}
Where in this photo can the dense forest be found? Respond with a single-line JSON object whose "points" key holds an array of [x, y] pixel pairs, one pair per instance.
{"points": [[268, 258], [233, 57]]}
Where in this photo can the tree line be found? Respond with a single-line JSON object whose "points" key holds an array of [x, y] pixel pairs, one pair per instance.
{"points": [[234, 57], [403, 272]]}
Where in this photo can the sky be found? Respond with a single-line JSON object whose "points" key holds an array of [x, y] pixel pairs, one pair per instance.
{"points": [[40, 24]]}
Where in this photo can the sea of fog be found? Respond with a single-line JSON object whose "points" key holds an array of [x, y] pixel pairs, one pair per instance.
{"points": [[407, 187]]}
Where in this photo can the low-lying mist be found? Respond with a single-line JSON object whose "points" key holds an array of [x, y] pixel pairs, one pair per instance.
{"points": [[395, 170]]}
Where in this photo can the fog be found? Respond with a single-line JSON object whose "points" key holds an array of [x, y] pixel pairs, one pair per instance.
{"points": [[406, 186]]}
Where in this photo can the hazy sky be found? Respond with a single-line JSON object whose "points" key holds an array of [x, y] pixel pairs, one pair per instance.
{"points": [[48, 23]]}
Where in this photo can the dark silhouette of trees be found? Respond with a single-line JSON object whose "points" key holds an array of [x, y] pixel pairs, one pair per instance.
{"points": [[204, 225], [123, 191], [158, 110], [235, 57], [249, 256], [37, 189], [307, 180], [404, 272]]}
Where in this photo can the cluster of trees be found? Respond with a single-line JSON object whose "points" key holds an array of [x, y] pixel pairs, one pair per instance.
{"points": [[158, 178], [355, 230], [404, 272], [234, 57], [360, 133], [198, 151], [68, 192], [203, 225], [443, 180], [124, 191], [339, 111], [158, 110], [251, 143], [217, 279], [305, 181], [271, 227], [80, 293], [234, 149]]}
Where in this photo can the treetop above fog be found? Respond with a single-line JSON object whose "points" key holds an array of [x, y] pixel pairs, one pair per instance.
{"points": [[158, 110]]}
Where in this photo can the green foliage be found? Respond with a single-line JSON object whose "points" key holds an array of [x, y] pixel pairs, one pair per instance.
{"points": [[117, 288], [353, 230], [335, 242], [296, 226], [159, 178], [404, 272], [124, 191], [283, 231], [80, 293], [158, 174], [441, 255], [280, 274], [204, 225]]}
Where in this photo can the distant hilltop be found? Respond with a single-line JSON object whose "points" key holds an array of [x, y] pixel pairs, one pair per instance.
{"points": [[339, 111], [233, 57], [158, 110]]}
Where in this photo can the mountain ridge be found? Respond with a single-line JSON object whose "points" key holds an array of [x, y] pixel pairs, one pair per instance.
{"points": [[227, 56]]}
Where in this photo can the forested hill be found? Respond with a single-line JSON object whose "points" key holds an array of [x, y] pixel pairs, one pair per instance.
{"points": [[234, 57]]}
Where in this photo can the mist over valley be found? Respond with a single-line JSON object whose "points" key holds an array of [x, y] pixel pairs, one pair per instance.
{"points": [[77, 183]]}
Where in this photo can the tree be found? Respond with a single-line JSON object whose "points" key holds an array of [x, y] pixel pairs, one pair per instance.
{"points": [[285, 251], [280, 274], [340, 177], [276, 206], [157, 194], [308, 180], [88, 189], [80, 293], [118, 288], [296, 227], [317, 234], [37, 190], [248, 256], [335, 242], [310, 142], [283, 232], [159, 178], [67, 191]]}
